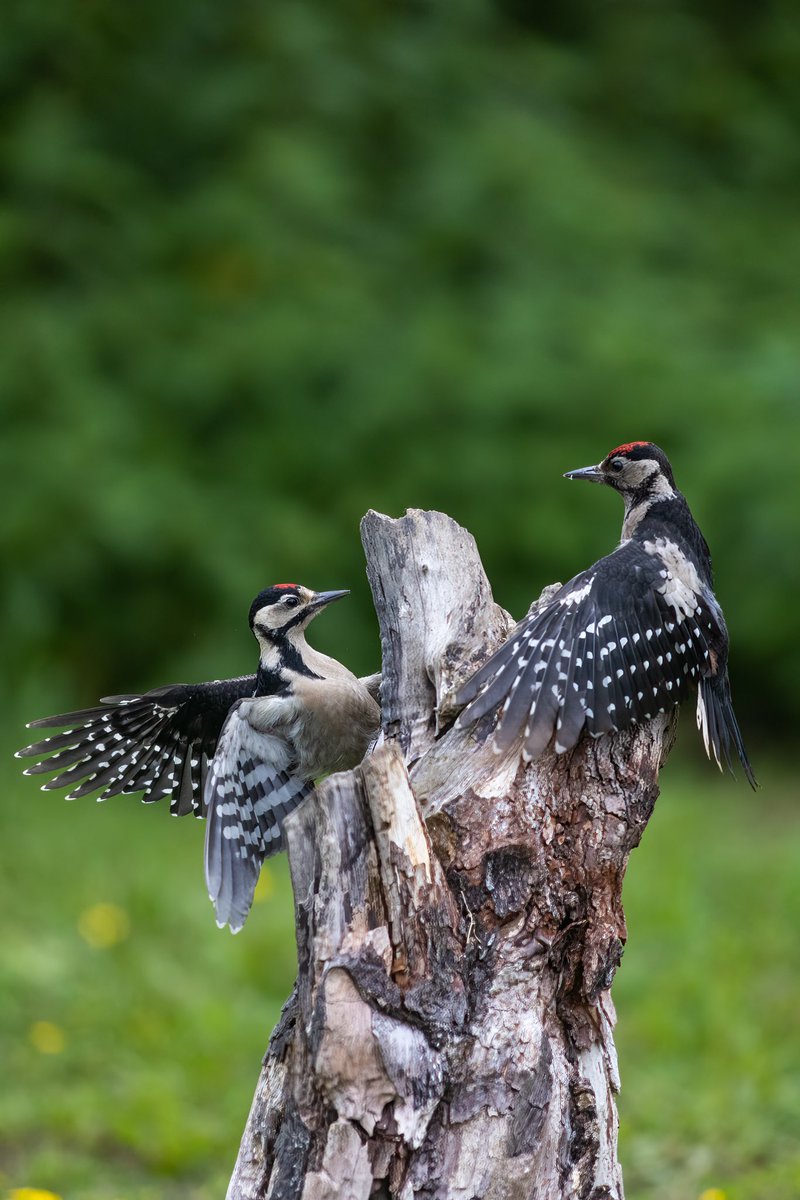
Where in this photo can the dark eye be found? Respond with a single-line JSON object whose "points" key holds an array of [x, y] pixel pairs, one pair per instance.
{"points": [[616, 464], [291, 601]]}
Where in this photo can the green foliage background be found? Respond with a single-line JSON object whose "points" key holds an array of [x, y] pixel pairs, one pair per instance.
{"points": [[268, 265]]}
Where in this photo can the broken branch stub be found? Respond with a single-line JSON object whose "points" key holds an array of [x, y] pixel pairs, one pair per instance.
{"points": [[450, 1035]]}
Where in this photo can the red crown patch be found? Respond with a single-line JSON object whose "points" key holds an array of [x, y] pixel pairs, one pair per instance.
{"points": [[625, 447], [282, 586]]}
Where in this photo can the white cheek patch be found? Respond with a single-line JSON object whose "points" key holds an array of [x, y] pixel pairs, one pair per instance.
{"points": [[270, 616], [638, 471], [637, 474]]}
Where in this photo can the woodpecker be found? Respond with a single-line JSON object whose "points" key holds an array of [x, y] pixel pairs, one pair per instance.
{"points": [[622, 641], [243, 752]]}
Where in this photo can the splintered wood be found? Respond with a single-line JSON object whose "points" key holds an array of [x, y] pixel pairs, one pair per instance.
{"points": [[459, 923]]}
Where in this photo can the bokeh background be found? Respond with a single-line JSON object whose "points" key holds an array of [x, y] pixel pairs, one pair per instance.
{"points": [[268, 265]]}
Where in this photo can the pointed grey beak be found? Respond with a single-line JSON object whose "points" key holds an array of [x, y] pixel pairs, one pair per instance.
{"points": [[591, 474], [323, 598]]}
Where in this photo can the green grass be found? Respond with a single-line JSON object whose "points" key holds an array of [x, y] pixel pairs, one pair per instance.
{"points": [[708, 994], [164, 1029], [163, 1032]]}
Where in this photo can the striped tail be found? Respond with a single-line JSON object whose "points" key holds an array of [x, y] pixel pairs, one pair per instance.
{"points": [[718, 725]]}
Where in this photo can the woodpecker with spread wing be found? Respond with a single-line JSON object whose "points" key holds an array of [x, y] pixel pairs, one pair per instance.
{"points": [[243, 752], [622, 641]]}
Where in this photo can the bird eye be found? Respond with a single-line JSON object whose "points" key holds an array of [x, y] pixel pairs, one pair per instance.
{"points": [[616, 464], [291, 601]]}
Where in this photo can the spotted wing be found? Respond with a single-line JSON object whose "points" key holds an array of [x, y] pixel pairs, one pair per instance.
{"points": [[159, 743], [249, 790], [614, 646]]}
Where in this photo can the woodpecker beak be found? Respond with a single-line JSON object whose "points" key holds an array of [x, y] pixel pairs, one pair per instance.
{"points": [[323, 598], [591, 474]]}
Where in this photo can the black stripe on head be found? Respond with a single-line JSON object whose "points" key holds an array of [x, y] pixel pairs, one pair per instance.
{"points": [[634, 451], [272, 595]]}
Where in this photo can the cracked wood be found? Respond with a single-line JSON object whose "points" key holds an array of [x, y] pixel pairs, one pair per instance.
{"points": [[459, 923]]}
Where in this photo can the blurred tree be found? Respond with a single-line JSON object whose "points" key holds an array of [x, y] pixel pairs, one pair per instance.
{"points": [[261, 259]]}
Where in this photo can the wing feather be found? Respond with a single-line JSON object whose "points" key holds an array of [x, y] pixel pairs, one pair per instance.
{"points": [[139, 743], [527, 670], [614, 647], [542, 716], [249, 791]]}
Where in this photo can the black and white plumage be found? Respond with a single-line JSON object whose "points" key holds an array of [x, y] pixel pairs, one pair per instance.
{"points": [[243, 752], [622, 641], [159, 743]]}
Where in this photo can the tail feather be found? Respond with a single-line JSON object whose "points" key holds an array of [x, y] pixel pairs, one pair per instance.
{"points": [[719, 727]]}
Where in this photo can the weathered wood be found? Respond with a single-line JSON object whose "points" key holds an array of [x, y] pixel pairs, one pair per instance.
{"points": [[451, 1033]]}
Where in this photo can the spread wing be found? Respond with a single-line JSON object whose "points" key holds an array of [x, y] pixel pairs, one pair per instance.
{"points": [[249, 790], [159, 743], [616, 645]]}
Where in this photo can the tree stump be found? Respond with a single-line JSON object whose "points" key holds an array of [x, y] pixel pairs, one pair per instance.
{"points": [[459, 923]]}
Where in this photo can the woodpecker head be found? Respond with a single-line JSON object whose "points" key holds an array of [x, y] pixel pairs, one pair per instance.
{"points": [[638, 470], [286, 608]]}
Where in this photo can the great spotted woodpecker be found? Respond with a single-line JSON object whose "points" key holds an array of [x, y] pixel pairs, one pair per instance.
{"points": [[622, 641], [243, 752]]}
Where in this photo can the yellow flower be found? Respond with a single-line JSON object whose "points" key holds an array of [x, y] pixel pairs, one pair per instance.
{"points": [[712, 1194], [47, 1038], [265, 888], [31, 1194], [103, 925]]}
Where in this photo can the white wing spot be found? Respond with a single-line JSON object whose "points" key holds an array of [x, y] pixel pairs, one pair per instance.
{"points": [[578, 594]]}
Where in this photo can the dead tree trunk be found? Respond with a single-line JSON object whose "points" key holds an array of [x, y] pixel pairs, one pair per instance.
{"points": [[450, 1034]]}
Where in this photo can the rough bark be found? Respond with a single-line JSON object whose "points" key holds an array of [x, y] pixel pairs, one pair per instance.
{"points": [[459, 923]]}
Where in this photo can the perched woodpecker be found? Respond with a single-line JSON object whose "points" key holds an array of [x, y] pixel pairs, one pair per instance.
{"points": [[243, 752], [622, 641]]}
